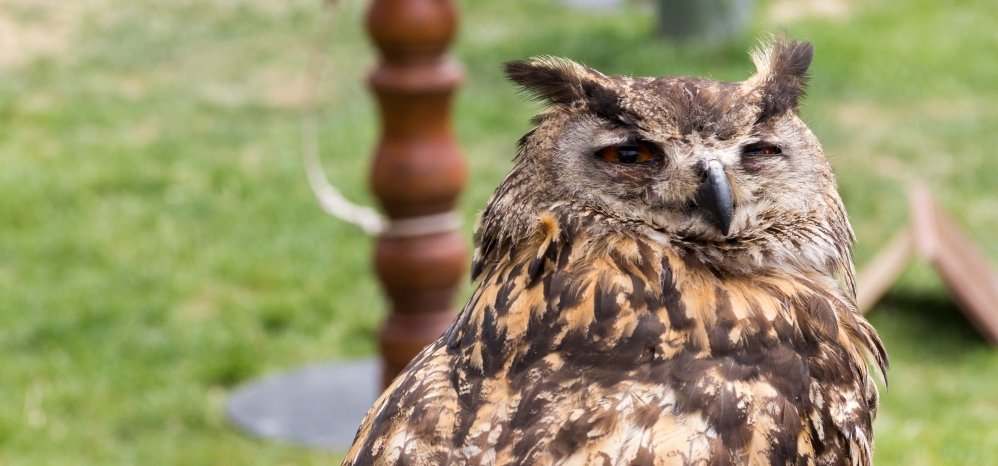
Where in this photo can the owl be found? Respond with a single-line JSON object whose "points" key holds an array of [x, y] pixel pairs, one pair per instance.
{"points": [[664, 277]]}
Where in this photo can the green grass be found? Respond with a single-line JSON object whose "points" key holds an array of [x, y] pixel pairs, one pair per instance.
{"points": [[159, 243]]}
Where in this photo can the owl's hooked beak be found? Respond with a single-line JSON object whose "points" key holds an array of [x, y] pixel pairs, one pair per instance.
{"points": [[714, 196]]}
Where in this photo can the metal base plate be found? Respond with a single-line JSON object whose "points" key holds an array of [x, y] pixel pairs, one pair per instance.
{"points": [[317, 406]]}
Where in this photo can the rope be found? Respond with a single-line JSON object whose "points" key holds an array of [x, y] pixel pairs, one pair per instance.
{"points": [[423, 225], [330, 198]]}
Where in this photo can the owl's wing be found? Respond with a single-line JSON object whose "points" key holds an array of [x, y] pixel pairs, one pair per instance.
{"points": [[432, 407], [402, 426]]}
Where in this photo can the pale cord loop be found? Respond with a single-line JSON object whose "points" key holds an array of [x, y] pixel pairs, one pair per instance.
{"points": [[333, 202], [330, 199]]}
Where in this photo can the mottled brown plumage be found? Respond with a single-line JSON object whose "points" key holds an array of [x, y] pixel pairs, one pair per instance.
{"points": [[664, 277]]}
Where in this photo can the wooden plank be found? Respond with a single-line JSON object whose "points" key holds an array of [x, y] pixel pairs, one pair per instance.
{"points": [[878, 275], [963, 267]]}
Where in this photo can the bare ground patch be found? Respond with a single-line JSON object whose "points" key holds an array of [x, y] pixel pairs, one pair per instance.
{"points": [[36, 29]]}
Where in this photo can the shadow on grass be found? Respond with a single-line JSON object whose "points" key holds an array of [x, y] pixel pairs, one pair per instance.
{"points": [[928, 326]]}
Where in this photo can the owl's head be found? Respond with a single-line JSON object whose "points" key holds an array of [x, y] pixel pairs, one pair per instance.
{"points": [[727, 171]]}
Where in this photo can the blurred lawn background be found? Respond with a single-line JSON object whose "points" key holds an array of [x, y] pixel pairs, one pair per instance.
{"points": [[159, 244]]}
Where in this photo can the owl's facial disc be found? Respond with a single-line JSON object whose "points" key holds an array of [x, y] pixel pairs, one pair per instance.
{"points": [[714, 198]]}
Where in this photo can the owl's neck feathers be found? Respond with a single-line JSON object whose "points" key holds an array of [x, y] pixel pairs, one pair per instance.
{"points": [[576, 284], [802, 245], [816, 243]]}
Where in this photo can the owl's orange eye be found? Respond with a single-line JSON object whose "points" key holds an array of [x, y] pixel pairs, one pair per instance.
{"points": [[628, 154], [762, 149]]}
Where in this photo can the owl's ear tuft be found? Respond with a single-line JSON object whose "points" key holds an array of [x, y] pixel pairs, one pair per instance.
{"points": [[781, 75], [560, 81]]}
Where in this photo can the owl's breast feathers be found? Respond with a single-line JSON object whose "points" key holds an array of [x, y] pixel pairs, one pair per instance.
{"points": [[612, 348]]}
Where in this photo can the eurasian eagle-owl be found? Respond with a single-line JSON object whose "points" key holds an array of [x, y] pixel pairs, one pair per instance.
{"points": [[664, 277]]}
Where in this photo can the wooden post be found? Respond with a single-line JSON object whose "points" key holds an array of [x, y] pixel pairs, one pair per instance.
{"points": [[417, 174]]}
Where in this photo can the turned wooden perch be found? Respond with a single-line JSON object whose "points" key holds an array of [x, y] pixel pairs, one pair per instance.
{"points": [[417, 174]]}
